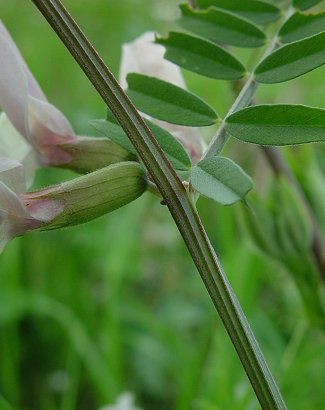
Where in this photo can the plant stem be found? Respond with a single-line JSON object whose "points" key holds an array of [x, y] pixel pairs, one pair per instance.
{"points": [[175, 197], [243, 100]]}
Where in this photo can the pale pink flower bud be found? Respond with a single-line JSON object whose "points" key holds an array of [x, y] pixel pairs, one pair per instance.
{"points": [[69, 203], [15, 219], [145, 57]]}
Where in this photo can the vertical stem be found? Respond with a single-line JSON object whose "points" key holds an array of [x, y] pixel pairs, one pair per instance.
{"points": [[176, 198]]}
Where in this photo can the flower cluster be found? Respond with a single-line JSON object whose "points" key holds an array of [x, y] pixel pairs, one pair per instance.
{"points": [[34, 133]]}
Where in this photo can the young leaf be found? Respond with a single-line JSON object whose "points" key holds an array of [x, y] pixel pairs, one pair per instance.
{"points": [[173, 148], [221, 26], [169, 103], [292, 60], [305, 4], [257, 11], [221, 179], [201, 56], [278, 124], [301, 25]]}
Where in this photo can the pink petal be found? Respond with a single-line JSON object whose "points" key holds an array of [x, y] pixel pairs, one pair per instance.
{"points": [[48, 128], [14, 219]]}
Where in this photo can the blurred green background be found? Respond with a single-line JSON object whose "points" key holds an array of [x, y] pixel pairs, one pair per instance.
{"points": [[116, 305]]}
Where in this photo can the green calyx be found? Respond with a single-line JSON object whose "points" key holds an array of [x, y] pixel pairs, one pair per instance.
{"points": [[93, 195], [89, 154]]}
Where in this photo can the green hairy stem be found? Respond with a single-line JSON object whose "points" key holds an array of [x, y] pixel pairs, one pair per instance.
{"points": [[176, 198]]}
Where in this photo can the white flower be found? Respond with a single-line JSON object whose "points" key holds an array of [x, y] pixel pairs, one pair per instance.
{"points": [[34, 132], [145, 57], [124, 402], [23, 101]]}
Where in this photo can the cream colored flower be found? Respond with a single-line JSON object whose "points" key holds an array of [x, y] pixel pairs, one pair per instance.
{"points": [[145, 57]]}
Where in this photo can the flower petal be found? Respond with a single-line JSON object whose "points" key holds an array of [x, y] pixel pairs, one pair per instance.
{"points": [[12, 175], [49, 127], [14, 146], [27, 108], [13, 87], [145, 57], [14, 219], [33, 88]]}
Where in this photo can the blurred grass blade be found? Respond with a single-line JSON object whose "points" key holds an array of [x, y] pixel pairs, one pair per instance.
{"points": [[4, 405], [167, 102], [278, 124], [259, 12], [201, 57], [221, 179], [301, 25], [305, 4], [292, 60], [221, 27], [171, 146]]}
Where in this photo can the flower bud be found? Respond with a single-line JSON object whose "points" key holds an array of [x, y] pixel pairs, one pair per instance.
{"points": [[87, 197]]}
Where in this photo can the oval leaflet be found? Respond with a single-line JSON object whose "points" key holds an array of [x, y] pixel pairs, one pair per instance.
{"points": [[201, 56], [278, 124], [221, 179]]}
